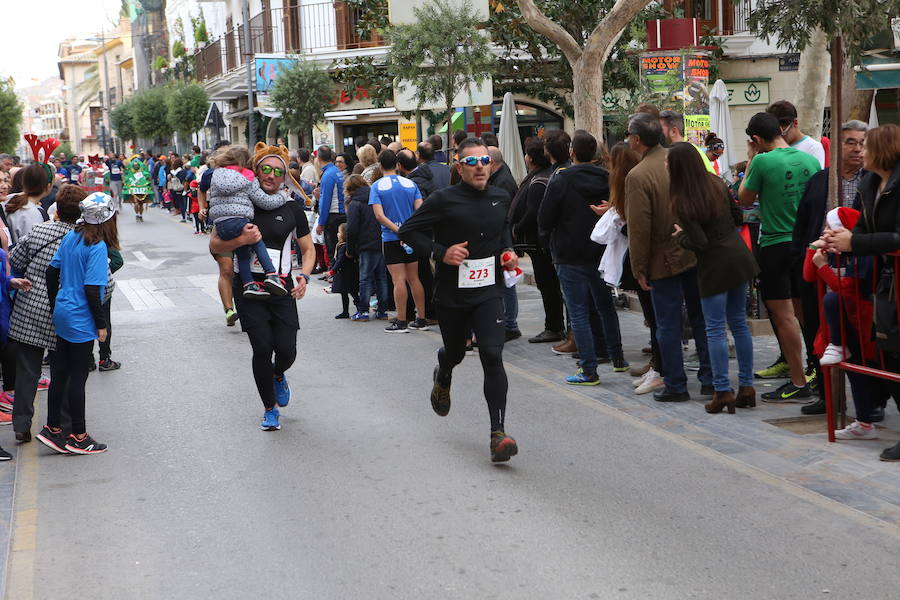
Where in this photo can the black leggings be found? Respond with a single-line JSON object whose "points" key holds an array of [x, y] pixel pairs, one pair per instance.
{"points": [[486, 320], [68, 374], [266, 340], [198, 224], [105, 349], [345, 301]]}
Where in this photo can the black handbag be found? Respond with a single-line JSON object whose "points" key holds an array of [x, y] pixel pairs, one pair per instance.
{"points": [[887, 329]]}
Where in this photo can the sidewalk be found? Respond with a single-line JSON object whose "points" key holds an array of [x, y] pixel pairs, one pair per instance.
{"points": [[773, 438]]}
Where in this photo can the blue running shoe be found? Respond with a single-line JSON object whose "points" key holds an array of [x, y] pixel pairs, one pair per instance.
{"points": [[270, 421], [360, 317], [282, 391], [381, 316], [581, 378]]}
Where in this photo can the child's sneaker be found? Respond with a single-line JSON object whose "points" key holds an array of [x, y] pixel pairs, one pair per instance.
{"points": [[55, 440], [856, 431], [43, 384], [833, 355], [86, 445], [254, 289], [6, 402], [274, 285], [360, 317]]}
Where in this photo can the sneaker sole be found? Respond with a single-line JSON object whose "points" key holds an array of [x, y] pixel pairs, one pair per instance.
{"points": [[396, 330], [230, 321], [780, 375], [426, 328], [264, 428], [256, 295], [51, 445], [585, 383], [102, 370], [560, 353], [505, 451], [850, 439], [275, 290], [805, 400], [621, 369], [74, 450]]}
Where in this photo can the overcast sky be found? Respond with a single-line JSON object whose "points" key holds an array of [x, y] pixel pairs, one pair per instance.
{"points": [[33, 29]]}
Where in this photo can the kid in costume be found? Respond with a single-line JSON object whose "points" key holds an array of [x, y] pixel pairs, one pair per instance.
{"points": [[137, 185]]}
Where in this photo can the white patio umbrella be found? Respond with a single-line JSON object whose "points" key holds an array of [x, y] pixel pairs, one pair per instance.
{"points": [[510, 144], [720, 122]]}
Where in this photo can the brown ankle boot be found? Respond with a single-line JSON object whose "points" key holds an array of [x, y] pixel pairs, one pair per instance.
{"points": [[721, 400], [566, 347], [746, 397]]}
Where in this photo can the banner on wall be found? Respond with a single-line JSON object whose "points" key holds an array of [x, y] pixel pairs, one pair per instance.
{"points": [[684, 76]]}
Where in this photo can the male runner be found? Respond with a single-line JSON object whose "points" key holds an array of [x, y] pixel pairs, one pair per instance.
{"points": [[471, 237]]}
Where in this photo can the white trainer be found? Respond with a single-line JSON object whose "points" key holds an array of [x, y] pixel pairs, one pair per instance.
{"points": [[652, 382], [833, 355], [856, 431], [637, 382]]}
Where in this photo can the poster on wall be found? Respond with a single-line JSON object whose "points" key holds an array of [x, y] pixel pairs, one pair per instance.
{"points": [[268, 70], [659, 69], [682, 75], [695, 129]]}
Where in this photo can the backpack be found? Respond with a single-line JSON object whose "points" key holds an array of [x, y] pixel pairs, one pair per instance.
{"points": [[174, 184]]}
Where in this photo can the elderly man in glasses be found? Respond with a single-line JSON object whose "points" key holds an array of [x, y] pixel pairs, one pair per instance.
{"points": [[466, 229]]}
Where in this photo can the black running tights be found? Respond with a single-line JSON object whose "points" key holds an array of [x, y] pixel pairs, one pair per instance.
{"points": [[69, 369], [266, 340], [486, 320]]}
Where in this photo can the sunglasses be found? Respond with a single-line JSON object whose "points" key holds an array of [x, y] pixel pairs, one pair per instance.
{"points": [[269, 169], [471, 161]]}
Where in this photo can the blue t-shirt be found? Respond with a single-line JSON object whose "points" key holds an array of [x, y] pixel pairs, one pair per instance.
{"points": [[116, 168], [79, 265], [397, 196]]}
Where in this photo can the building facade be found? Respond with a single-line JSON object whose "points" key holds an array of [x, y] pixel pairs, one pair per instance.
{"points": [[83, 105]]}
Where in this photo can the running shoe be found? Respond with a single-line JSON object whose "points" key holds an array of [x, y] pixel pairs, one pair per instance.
{"points": [[812, 378], [109, 365], [620, 365], [270, 420], [419, 325], [6, 402], [440, 392], [381, 316], [55, 440], [360, 317], [282, 391], [788, 394], [652, 382], [275, 286], [582, 378], [254, 289], [503, 447], [397, 327], [5, 418], [43, 384], [4, 455], [856, 431], [231, 317], [777, 370], [86, 445]]}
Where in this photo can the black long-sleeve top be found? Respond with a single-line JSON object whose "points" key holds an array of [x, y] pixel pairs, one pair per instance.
{"points": [[457, 214]]}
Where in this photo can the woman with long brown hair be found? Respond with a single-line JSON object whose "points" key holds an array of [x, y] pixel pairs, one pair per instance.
{"points": [[77, 279], [23, 209], [707, 222]]}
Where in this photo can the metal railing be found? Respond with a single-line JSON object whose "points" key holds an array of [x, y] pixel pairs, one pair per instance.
{"points": [[296, 29], [741, 11]]}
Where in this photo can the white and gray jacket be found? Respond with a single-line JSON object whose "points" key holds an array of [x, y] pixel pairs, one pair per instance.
{"points": [[233, 195]]}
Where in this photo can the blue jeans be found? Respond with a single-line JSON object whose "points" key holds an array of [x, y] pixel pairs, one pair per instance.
{"points": [[510, 307], [730, 307], [372, 273], [668, 295], [581, 285]]}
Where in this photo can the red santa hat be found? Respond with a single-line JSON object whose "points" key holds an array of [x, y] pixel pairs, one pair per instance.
{"points": [[842, 218]]}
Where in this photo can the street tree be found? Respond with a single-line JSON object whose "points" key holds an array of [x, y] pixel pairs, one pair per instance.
{"points": [[10, 117], [186, 107], [587, 59], [121, 118], [442, 54], [150, 115], [303, 93]]}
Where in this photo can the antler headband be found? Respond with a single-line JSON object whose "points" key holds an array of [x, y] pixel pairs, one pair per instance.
{"points": [[47, 146]]}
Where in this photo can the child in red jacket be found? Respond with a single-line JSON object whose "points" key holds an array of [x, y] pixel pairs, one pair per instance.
{"points": [[193, 188], [853, 289]]}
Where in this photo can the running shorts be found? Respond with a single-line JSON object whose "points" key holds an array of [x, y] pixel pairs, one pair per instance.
{"points": [[394, 254], [778, 277]]}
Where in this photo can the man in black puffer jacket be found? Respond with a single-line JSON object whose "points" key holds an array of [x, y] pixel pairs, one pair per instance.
{"points": [[565, 223], [364, 242]]}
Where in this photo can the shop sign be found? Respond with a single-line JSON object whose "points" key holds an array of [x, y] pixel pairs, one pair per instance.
{"points": [[409, 135], [743, 93]]}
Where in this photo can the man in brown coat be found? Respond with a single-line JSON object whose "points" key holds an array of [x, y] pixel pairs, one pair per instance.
{"points": [[659, 263]]}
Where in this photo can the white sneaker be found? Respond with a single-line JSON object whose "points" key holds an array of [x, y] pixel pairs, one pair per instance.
{"points": [[833, 355], [651, 383], [637, 382], [855, 431]]}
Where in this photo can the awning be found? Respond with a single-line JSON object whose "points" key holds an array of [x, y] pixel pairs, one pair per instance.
{"points": [[886, 76], [457, 121]]}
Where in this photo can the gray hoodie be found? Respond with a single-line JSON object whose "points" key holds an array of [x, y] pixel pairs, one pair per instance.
{"points": [[233, 195]]}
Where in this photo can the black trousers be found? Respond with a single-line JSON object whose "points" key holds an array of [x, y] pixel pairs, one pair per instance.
{"points": [[265, 340], [28, 372], [69, 370], [548, 285], [486, 320], [809, 304], [8, 364], [105, 351], [331, 234], [426, 277]]}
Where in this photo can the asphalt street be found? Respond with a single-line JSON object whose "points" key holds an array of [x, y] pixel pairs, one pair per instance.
{"points": [[366, 493]]}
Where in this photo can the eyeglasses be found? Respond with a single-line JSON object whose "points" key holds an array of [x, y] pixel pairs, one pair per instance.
{"points": [[717, 147], [269, 169], [471, 161]]}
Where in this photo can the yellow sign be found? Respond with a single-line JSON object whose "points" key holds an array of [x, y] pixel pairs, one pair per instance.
{"points": [[409, 135], [695, 129]]}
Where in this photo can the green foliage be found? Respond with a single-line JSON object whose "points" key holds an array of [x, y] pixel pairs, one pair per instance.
{"points": [[791, 22], [121, 118], [547, 75], [64, 148], [149, 117], [444, 53], [160, 63], [303, 93], [10, 117], [186, 107], [361, 77], [373, 17], [198, 24], [178, 50]]}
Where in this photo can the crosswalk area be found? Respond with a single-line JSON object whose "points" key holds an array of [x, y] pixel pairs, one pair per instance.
{"points": [[161, 293]]}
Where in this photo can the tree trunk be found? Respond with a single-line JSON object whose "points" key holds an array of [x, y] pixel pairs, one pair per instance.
{"points": [[587, 96], [449, 119], [812, 84]]}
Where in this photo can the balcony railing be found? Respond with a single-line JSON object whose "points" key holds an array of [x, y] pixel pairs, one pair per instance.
{"points": [[742, 9], [296, 29]]}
